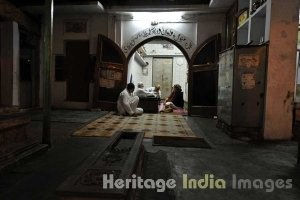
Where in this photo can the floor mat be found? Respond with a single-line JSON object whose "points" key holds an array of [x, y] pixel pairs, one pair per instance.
{"points": [[180, 111], [187, 142], [162, 124]]}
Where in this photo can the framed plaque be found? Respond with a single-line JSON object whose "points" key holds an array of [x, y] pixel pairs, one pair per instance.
{"points": [[75, 26]]}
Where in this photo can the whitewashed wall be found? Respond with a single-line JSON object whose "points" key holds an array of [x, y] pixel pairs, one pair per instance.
{"points": [[209, 25], [97, 24], [180, 70], [204, 27], [129, 28], [156, 49], [136, 70]]}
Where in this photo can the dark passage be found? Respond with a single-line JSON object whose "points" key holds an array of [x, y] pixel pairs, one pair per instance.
{"points": [[77, 70]]}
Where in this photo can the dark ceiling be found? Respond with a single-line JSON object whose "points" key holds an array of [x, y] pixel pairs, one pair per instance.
{"points": [[108, 3]]}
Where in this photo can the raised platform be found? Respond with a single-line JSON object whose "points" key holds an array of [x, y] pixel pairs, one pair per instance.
{"points": [[122, 156], [15, 144], [149, 105], [16, 153], [12, 128]]}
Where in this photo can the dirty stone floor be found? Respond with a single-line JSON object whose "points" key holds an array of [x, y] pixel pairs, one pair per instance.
{"points": [[38, 177]]}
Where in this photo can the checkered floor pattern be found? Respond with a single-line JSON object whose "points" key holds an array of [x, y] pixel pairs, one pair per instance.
{"points": [[162, 124]]}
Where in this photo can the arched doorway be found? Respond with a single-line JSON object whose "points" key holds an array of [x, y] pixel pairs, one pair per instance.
{"points": [[203, 78], [158, 61], [111, 75]]}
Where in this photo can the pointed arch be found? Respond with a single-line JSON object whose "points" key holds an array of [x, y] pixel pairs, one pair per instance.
{"points": [[154, 38], [110, 73], [203, 78]]}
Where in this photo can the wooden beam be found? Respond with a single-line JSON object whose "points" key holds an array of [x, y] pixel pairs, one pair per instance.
{"points": [[11, 12], [48, 37]]}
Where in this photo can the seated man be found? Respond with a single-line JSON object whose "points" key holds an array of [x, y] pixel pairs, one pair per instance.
{"points": [[141, 92], [175, 100], [127, 103]]}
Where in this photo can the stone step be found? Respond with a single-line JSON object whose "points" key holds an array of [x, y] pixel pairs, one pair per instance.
{"points": [[16, 154], [122, 156]]}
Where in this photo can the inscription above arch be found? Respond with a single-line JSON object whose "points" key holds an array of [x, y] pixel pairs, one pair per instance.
{"points": [[183, 41]]}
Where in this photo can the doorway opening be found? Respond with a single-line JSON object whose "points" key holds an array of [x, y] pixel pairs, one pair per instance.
{"points": [[159, 62], [78, 74]]}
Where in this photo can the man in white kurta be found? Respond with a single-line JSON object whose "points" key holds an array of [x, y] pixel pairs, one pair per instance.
{"points": [[140, 91], [127, 103]]}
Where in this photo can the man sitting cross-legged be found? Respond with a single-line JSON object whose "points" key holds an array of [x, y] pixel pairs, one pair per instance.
{"points": [[127, 103]]}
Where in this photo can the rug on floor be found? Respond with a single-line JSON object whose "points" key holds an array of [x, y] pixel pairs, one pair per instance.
{"points": [[162, 124], [179, 111]]}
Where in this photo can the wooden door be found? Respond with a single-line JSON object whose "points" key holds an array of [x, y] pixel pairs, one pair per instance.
{"points": [[163, 75], [77, 64], [110, 74], [203, 79]]}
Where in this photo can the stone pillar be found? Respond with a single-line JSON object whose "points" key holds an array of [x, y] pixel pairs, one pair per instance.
{"points": [[10, 49], [47, 63], [280, 82]]}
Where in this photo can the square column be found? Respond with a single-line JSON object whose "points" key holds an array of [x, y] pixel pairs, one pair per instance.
{"points": [[10, 50], [280, 79]]}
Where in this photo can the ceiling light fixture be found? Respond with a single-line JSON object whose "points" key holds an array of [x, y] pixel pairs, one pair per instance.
{"points": [[158, 16], [100, 6]]}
